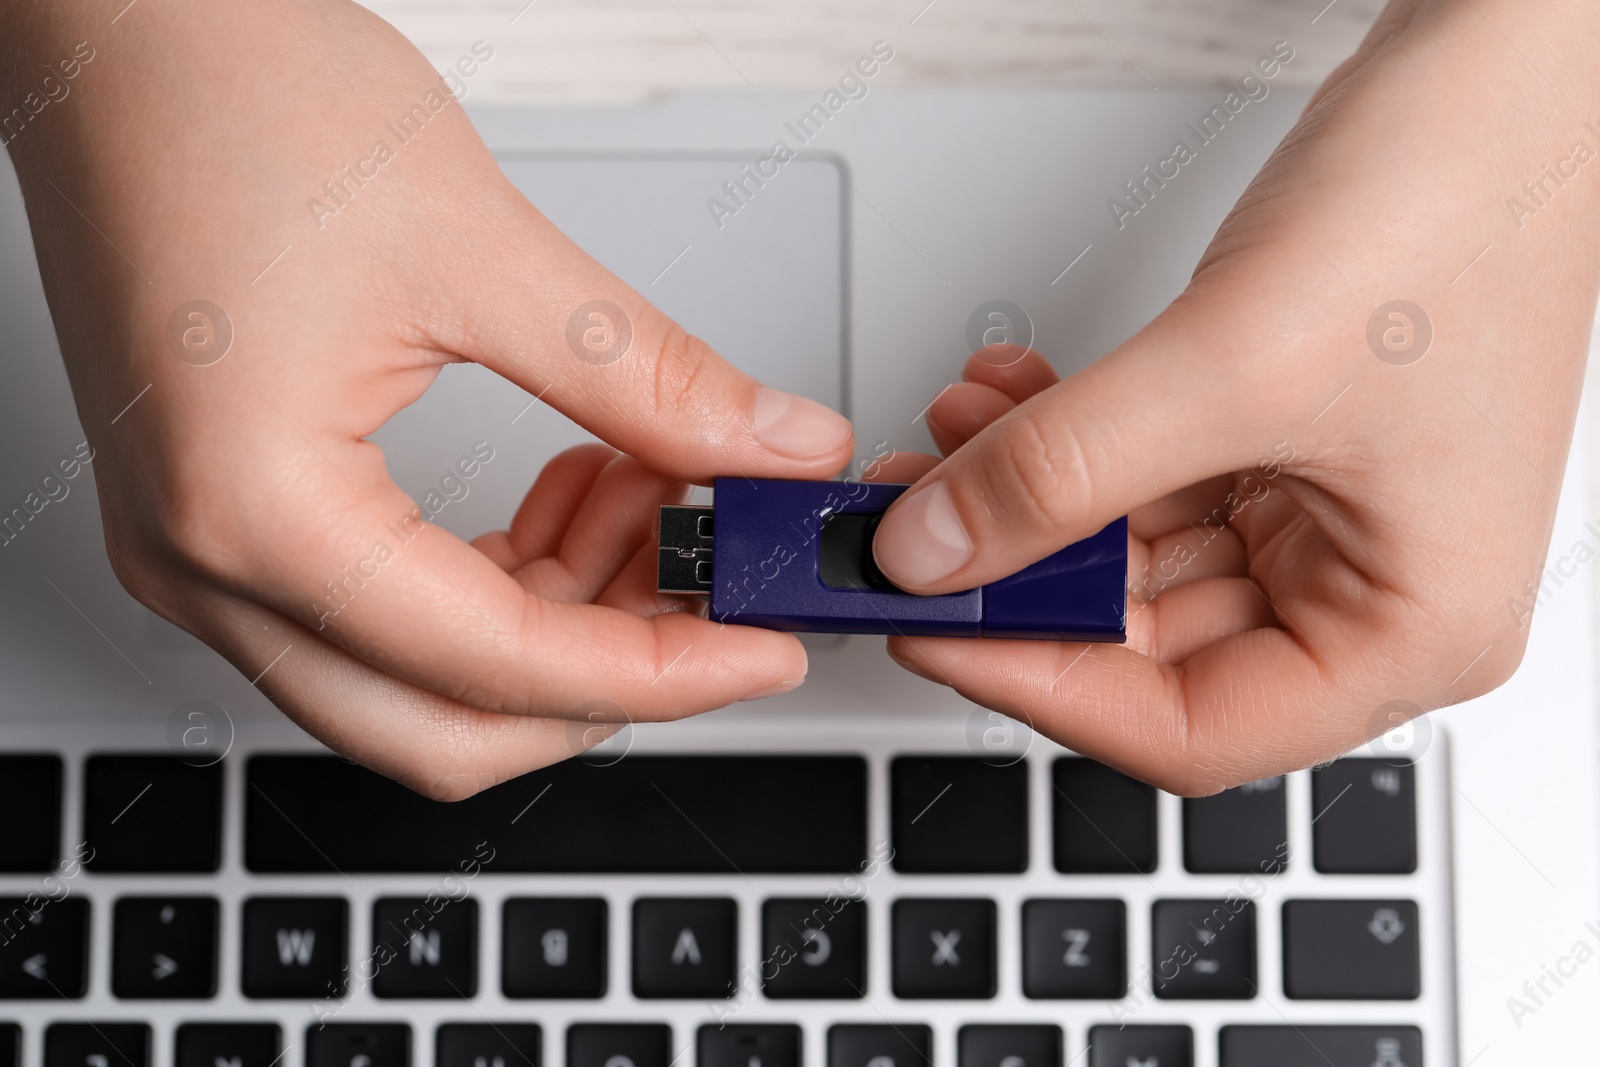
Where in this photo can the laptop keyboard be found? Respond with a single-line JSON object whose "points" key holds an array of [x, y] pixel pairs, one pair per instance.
{"points": [[868, 908]]}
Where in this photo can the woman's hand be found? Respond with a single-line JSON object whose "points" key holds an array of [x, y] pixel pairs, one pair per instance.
{"points": [[1339, 449], [203, 140]]}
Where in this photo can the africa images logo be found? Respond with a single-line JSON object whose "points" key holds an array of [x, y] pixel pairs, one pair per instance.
{"points": [[1252, 86]]}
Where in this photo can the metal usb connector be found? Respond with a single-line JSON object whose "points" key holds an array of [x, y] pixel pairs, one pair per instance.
{"points": [[684, 564]]}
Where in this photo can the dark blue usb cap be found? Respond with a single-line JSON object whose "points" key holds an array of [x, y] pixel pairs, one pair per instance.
{"points": [[791, 555]]}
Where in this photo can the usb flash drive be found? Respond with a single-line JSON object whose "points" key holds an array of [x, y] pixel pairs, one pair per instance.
{"points": [[792, 555]]}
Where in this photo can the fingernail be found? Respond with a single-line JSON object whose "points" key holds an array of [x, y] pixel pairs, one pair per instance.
{"points": [[795, 426], [913, 666], [774, 690], [922, 541]]}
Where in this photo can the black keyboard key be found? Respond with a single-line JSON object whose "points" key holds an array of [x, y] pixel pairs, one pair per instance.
{"points": [[1204, 949], [1008, 1046], [1365, 813], [684, 947], [357, 1045], [645, 815], [30, 794], [1105, 822], [10, 1045], [1244, 830], [1141, 1046], [944, 949], [1320, 1046], [747, 1046], [619, 1045], [228, 1045], [488, 1045], [152, 815], [553, 948], [958, 815], [1074, 949], [814, 948], [1351, 950], [97, 1045], [294, 947], [164, 947], [425, 947], [44, 948], [870, 1045]]}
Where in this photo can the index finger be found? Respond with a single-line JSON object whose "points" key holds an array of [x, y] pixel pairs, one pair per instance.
{"points": [[559, 324]]}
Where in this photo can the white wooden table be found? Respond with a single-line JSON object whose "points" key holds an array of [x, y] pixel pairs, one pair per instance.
{"points": [[617, 50]]}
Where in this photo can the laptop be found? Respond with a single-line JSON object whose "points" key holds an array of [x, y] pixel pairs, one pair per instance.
{"points": [[867, 872]]}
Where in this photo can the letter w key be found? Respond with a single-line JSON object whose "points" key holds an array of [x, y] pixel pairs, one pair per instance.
{"points": [[295, 947]]}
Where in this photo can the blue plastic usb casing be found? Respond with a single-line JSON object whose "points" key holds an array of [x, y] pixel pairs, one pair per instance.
{"points": [[767, 570]]}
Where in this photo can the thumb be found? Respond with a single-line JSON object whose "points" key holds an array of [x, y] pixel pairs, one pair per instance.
{"points": [[567, 330], [1155, 416]]}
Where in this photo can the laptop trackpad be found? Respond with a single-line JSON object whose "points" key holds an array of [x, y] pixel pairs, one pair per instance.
{"points": [[763, 284]]}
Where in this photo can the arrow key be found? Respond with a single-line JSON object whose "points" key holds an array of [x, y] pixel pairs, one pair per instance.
{"points": [[164, 948], [46, 950]]}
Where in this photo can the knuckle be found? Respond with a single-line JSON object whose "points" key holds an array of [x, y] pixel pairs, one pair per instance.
{"points": [[152, 586], [1504, 664], [197, 522], [519, 694], [505, 684], [1478, 653], [1041, 476], [154, 554], [133, 571], [451, 787], [461, 759], [1498, 661], [1188, 786], [1194, 776], [200, 539], [680, 367]]}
